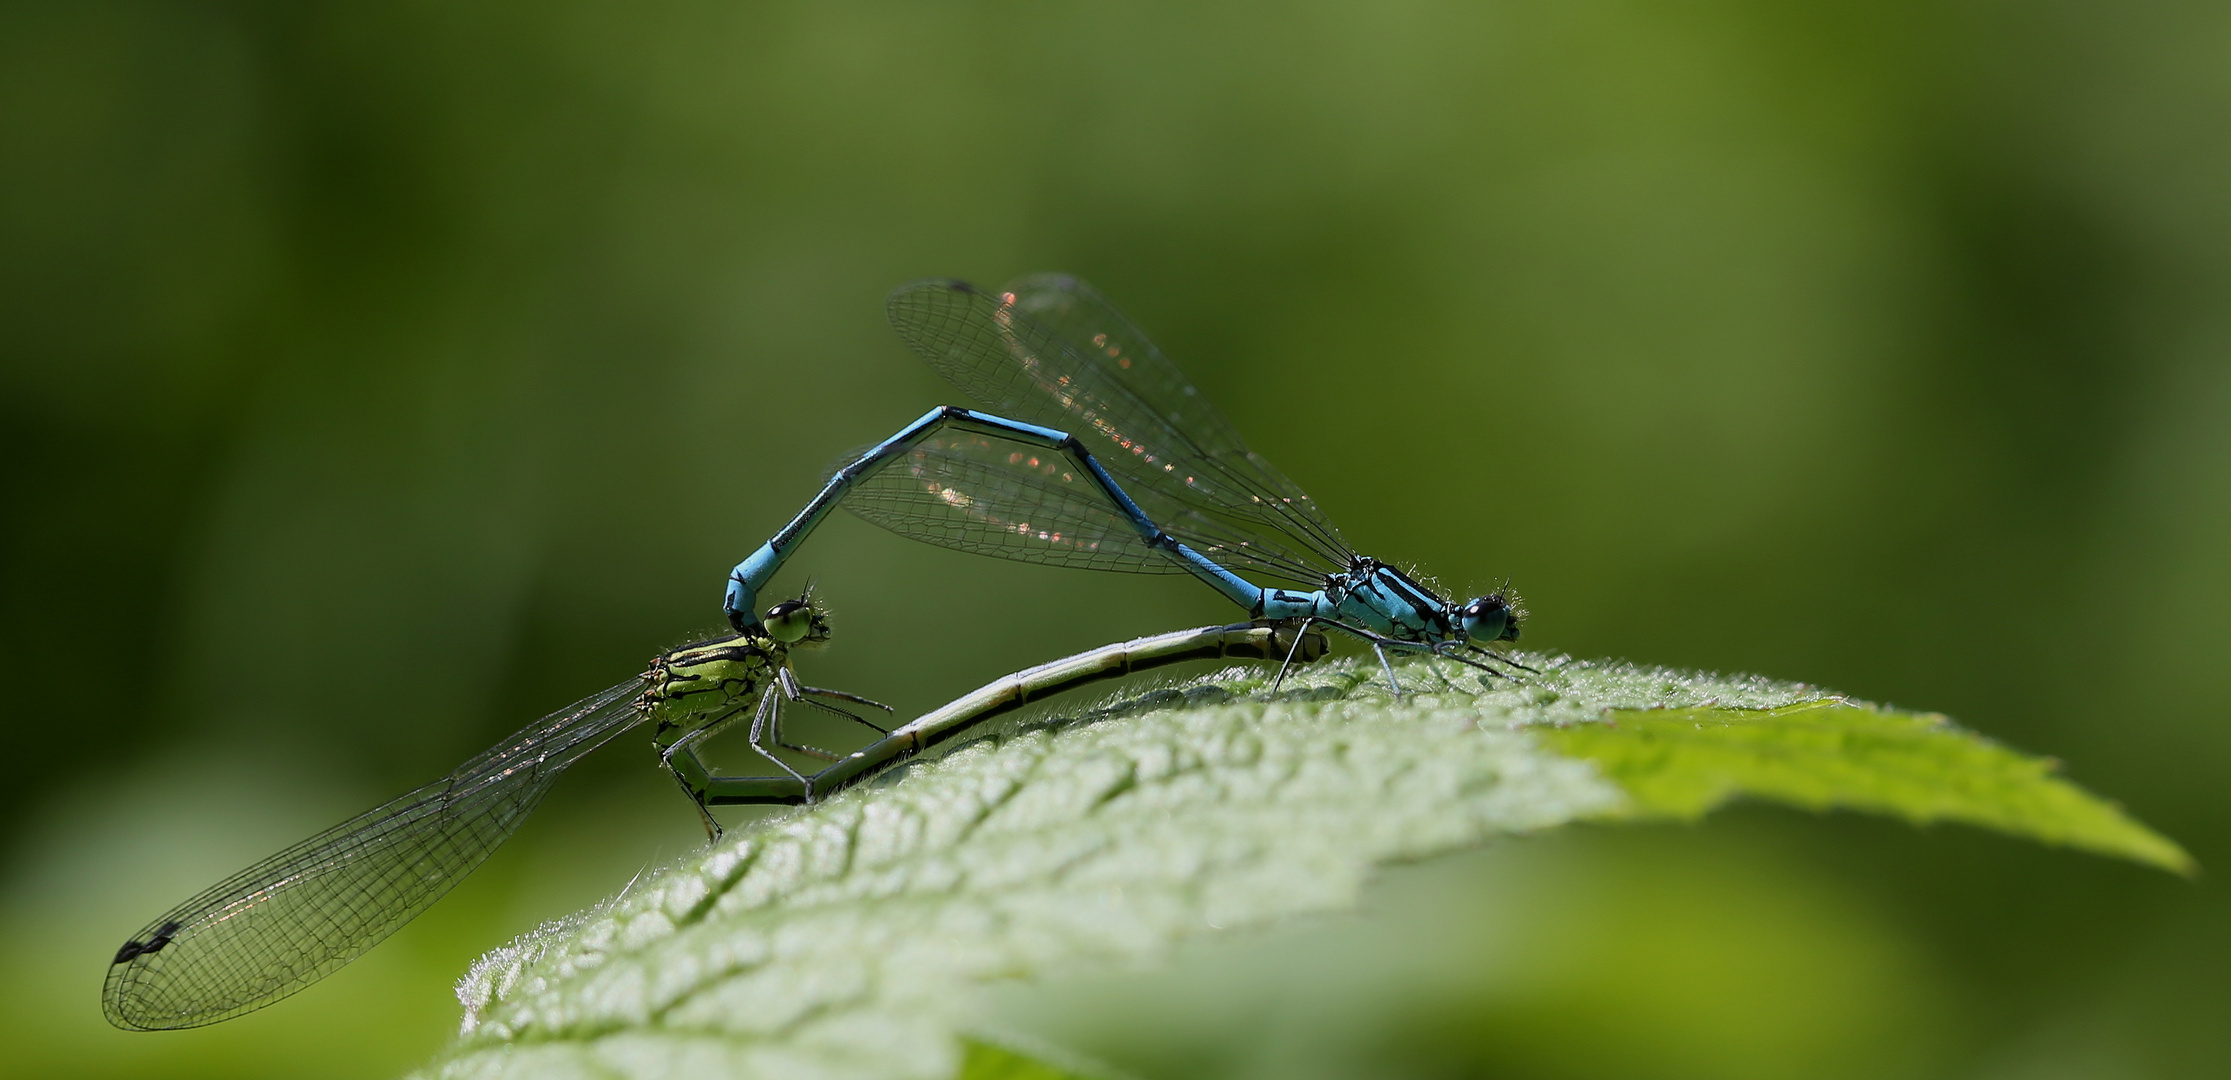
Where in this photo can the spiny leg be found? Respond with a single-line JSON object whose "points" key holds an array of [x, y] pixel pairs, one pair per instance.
{"points": [[1445, 650], [1432, 653], [1379, 643], [713, 830], [1301, 635], [1380, 648], [1450, 654], [774, 725], [768, 720], [690, 772], [847, 714], [842, 696], [1500, 658], [802, 694]]}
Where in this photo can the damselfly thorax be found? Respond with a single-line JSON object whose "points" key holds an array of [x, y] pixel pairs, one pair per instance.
{"points": [[703, 687]]}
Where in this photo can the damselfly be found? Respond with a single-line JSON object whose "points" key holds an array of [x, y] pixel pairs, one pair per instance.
{"points": [[1080, 398], [302, 914]]}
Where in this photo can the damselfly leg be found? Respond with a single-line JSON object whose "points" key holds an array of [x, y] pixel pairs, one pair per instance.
{"points": [[701, 690], [1380, 643], [805, 695]]}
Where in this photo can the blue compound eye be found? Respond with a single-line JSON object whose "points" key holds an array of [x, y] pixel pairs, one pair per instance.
{"points": [[1488, 619]]}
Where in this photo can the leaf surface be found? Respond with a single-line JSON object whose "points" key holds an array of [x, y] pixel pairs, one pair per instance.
{"points": [[849, 939], [1834, 754]]}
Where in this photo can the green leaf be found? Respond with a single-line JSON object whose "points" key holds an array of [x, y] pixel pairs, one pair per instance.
{"points": [[986, 1061], [1829, 754], [852, 938]]}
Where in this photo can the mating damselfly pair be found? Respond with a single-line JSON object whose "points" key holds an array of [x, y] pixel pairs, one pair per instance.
{"points": [[1092, 450]]}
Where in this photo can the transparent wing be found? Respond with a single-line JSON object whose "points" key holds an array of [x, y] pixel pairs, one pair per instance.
{"points": [[992, 496], [1050, 351], [988, 495], [1076, 315], [300, 915], [1237, 534]]}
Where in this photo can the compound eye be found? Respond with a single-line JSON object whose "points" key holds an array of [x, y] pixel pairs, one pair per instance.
{"points": [[1488, 619], [790, 621]]}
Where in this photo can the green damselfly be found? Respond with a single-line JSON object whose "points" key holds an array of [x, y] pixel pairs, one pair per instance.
{"points": [[302, 914]]}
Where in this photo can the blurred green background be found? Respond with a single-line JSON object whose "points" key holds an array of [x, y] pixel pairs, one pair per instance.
{"points": [[375, 377]]}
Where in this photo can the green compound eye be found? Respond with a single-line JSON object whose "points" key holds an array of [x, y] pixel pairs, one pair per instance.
{"points": [[790, 621]]}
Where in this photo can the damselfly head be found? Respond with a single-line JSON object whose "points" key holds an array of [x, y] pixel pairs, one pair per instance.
{"points": [[794, 621], [1494, 617]]}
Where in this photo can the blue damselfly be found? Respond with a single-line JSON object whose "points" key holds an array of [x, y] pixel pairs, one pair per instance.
{"points": [[1097, 452]]}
